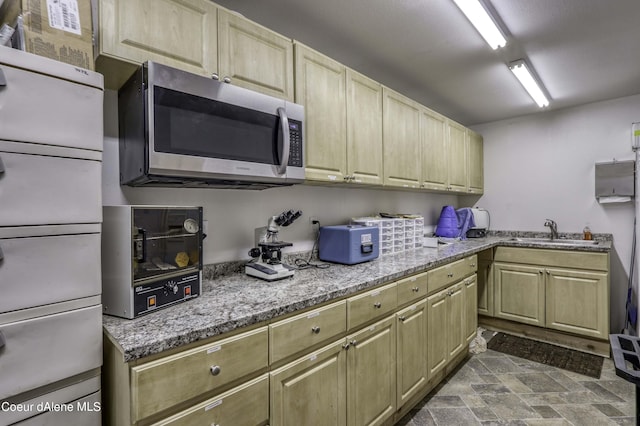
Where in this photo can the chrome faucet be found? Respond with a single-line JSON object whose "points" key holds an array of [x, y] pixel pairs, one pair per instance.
{"points": [[553, 226]]}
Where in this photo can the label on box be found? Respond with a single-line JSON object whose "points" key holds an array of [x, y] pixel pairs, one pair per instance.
{"points": [[365, 238], [64, 15]]}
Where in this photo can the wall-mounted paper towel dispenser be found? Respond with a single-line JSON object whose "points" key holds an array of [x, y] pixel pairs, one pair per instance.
{"points": [[615, 181]]}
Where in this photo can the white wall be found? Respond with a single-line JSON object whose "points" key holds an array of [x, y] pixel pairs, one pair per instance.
{"points": [[233, 214], [542, 166]]}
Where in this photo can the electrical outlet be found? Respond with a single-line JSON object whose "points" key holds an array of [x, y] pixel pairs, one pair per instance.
{"points": [[313, 220]]}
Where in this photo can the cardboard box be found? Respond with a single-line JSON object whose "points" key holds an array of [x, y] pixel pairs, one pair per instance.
{"points": [[56, 29]]}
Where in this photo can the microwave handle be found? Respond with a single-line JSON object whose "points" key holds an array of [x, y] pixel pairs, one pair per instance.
{"points": [[286, 141]]}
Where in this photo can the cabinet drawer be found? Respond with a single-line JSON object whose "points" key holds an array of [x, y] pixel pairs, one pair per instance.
{"points": [[37, 353], [67, 114], [46, 189], [25, 273], [371, 305], [162, 383], [559, 258], [303, 331], [412, 288], [452, 272], [247, 404]]}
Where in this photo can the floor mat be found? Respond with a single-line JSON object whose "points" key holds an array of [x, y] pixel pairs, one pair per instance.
{"points": [[545, 353]]}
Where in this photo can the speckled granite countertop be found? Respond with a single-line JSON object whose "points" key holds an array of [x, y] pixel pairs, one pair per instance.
{"points": [[237, 300]]}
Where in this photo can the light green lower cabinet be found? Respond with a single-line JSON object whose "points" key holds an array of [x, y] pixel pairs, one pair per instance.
{"points": [[311, 390], [470, 308], [578, 302], [412, 372], [519, 293]]}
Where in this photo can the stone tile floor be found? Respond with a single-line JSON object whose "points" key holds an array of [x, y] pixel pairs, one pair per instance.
{"points": [[492, 388]]}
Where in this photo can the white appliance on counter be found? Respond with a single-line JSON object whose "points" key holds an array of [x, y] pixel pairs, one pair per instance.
{"points": [[51, 136], [481, 219]]}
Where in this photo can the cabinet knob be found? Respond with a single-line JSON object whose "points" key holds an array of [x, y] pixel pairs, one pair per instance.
{"points": [[345, 346], [353, 342], [450, 275], [215, 370], [226, 79], [402, 318], [315, 329], [215, 76], [415, 289], [547, 271], [473, 265], [377, 305], [540, 272]]}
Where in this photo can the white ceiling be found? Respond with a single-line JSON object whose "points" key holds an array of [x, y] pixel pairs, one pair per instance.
{"points": [[582, 50]]}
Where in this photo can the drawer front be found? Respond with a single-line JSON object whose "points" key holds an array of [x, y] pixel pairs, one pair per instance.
{"points": [[303, 331], [247, 404], [371, 305], [46, 190], [412, 288], [43, 350], [560, 258], [443, 276], [83, 411], [163, 383], [28, 263], [68, 114]]}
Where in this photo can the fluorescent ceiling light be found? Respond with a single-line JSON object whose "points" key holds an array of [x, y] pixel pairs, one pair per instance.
{"points": [[521, 71], [480, 19]]}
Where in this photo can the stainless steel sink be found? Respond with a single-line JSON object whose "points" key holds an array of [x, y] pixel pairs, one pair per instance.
{"points": [[558, 241]]}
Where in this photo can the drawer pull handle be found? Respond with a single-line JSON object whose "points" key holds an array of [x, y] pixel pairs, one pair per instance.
{"points": [[2, 341], [215, 370], [315, 330], [377, 305], [415, 289]]}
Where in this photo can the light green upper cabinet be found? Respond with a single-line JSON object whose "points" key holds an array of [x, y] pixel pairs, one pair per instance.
{"points": [[320, 87], [401, 140], [254, 56], [132, 32], [476, 161], [457, 158], [435, 167], [364, 129], [217, 42]]}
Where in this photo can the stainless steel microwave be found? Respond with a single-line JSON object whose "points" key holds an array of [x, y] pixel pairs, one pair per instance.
{"points": [[181, 129]]}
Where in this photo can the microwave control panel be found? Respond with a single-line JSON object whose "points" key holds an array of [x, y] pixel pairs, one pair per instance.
{"points": [[295, 150], [165, 292]]}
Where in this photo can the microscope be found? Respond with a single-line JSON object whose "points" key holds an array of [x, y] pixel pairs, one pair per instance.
{"points": [[268, 255]]}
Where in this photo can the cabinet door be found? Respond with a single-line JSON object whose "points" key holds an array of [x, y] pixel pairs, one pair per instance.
{"points": [[320, 87], [519, 293], [364, 129], [437, 332], [455, 320], [485, 288], [412, 371], [137, 31], [457, 157], [435, 166], [247, 404], [311, 390], [254, 56], [578, 302], [371, 374], [476, 162], [401, 140], [470, 308]]}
